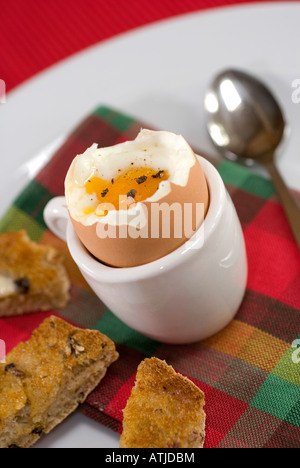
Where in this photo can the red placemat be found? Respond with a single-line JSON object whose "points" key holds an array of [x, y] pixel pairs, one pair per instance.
{"points": [[35, 34], [250, 371]]}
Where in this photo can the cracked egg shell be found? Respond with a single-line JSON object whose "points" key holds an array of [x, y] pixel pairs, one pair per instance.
{"points": [[146, 230]]}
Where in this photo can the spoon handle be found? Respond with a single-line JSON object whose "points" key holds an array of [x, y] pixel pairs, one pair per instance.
{"points": [[290, 206]]}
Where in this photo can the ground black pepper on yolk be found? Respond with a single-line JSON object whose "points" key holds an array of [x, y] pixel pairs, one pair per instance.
{"points": [[135, 185]]}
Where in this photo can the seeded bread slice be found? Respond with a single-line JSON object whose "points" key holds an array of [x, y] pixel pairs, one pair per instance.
{"points": [[32, 276], [46, 378], [165, 410]]}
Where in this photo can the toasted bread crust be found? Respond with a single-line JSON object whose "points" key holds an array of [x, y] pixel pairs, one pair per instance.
{"points": [[47, 377], [42, 267], [165, 410]]}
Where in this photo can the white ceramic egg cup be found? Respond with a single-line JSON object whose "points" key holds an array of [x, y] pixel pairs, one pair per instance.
{"points": [[184, 297]]}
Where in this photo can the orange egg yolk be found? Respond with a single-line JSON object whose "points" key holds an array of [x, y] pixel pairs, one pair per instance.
{"points": [[133, 186]]}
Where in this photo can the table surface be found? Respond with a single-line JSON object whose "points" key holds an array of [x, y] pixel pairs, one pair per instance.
{"points": [[36, 34]]}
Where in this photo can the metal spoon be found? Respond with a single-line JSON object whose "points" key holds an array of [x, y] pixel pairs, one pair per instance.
{"points": [[245, 122]]}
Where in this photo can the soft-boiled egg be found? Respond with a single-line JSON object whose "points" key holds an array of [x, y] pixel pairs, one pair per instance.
{"points": [[135, 202]]}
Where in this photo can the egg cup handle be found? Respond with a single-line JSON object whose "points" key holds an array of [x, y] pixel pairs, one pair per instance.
{"points": [[56, 217]]}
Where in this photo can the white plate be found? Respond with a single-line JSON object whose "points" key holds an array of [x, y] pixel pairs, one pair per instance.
{"points": [[157, 73]]}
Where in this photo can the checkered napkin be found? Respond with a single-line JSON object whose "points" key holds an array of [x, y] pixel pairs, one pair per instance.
{"points": [[250, 371]]}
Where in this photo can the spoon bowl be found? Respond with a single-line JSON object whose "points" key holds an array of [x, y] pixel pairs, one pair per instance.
{"points": [[243, 117], [245, 122]]}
